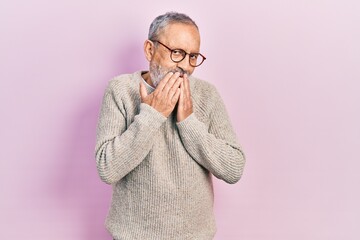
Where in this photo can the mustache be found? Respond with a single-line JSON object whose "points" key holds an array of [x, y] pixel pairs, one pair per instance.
{"points": [[180, 70]]}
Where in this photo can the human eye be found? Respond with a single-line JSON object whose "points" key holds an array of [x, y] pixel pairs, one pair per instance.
{"points": [[194, 56], [177, 52]]}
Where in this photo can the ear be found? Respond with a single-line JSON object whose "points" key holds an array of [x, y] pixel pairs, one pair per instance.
{"points": [[149, 49]]}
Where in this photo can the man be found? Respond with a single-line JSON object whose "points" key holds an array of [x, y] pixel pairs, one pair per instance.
{"points": [[161, 134]]}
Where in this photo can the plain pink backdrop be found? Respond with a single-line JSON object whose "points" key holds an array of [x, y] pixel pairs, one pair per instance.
{"points": [[288, 72]]}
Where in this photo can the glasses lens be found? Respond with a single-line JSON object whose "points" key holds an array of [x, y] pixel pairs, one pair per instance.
{"points": [[196, 59], [177, 55]]}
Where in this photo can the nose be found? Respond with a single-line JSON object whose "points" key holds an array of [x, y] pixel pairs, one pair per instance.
{"points": [[185, 64]]}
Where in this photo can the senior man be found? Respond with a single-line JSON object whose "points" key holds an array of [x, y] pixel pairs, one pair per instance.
{"points": [[161, 135]]}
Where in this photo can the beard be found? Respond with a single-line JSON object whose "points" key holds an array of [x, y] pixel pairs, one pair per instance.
{"points": [[157, 72]]}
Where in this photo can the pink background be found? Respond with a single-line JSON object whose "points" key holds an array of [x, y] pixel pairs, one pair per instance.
{"points": [[288, 72]]}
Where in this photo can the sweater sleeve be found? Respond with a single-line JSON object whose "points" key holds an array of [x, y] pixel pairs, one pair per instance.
{"points": [[214, 147], [120, 148]]}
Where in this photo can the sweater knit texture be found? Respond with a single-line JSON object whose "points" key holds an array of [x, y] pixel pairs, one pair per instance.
{"points": [[160, 169]]}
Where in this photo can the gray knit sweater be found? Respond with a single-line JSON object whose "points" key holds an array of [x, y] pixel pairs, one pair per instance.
{"points": [[160, 169]]}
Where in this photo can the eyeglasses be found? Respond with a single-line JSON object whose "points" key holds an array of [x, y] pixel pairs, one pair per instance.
{"points": [[177, 55]]}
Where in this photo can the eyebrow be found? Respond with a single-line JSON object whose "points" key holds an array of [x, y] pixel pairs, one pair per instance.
{"points": [[178, 48]]}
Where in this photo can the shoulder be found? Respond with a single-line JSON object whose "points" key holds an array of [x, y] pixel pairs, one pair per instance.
{"points": [[205, 97], [125, 87], [125, 83], [202, 89], [123, 90], [200, 84]]}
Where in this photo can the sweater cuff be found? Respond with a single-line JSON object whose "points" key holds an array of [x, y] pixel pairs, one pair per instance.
{"points": [[150, 117], [190, 127]]}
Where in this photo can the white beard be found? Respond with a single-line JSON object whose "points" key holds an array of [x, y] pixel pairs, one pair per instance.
{"points": [[157, 73]]}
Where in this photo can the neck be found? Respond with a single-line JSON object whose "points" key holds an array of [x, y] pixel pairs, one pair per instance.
{"points": [[147, 79]]}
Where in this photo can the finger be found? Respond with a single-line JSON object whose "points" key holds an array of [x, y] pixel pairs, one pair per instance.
{"points": [[175, 86], [164, 81], [176, 96], [170, 83], [178, 81], [143, 91]]}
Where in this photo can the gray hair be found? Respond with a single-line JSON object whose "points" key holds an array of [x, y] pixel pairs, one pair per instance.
{"points": [[162, 21]]}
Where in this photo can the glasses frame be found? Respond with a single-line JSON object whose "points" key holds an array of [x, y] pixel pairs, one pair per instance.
{"points": [[181, 50]]}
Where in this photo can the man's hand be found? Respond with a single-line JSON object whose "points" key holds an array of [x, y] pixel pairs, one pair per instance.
{"points": [[166, 94], [185, 106]]}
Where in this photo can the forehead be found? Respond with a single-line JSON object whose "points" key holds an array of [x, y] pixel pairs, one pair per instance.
{"points": [[179, 35]]}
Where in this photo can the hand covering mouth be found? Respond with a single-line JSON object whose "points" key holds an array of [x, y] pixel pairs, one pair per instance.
{"points": [[181, 71]]}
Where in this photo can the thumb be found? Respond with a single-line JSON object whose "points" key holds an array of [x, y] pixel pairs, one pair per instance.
{"points": [[143, 91]]}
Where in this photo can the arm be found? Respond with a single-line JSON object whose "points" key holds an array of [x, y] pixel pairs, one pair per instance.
{"points": [[214, 147], [119, 149]]}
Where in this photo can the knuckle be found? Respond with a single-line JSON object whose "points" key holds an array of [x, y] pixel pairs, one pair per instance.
{"points": [[171, 91], [156, 94]]}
